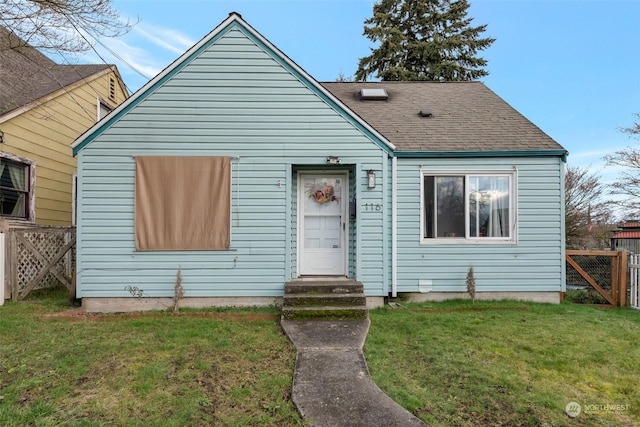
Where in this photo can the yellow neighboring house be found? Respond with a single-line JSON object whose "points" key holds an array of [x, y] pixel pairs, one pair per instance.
{"points": [[44, 107]]}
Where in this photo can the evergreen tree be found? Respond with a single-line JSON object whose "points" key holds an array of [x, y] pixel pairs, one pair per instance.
{"points": [[423, 40]]}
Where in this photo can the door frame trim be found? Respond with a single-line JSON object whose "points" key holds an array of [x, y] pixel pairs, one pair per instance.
{"points": [[345, 220]]}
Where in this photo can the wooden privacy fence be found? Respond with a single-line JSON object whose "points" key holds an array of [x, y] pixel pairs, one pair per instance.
{"points": [[39, 258], [604, 271], [634, 280]]}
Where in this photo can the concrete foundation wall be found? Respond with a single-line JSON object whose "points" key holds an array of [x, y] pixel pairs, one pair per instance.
{"points": [[123, 305], [543, 297]]}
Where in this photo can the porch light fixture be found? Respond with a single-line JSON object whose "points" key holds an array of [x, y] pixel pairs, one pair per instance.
{"points": [[333, 160], [371, 179], [1, 137]]}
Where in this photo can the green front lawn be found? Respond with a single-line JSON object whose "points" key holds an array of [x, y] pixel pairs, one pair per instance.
{"points": [[509, 363], [453, 363]]}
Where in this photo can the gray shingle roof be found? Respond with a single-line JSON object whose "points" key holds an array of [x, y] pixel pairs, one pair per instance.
{"points": [[467, 116], [27, 75]]}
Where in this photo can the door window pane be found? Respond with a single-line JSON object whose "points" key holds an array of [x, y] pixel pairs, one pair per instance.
{"points": [[322, 213]]}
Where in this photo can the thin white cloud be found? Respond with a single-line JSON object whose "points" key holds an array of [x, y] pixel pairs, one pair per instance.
{"points": [[593, 159], [131, 57], [137, 58], [167, 38], [137, 52], [592, 153], [606, 173]]}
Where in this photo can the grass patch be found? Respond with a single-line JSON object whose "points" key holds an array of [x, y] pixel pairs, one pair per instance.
{"points": [[506, 363], [160, 370], [450, 363]]}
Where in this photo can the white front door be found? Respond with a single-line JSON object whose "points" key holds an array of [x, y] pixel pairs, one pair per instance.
{"points": [[322, 224]]}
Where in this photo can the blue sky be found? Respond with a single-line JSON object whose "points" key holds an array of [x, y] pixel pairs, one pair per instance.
{"points": [[570, 66]]}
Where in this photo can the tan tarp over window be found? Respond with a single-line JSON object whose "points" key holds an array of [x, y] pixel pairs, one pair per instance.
{"points": [[182, 203]]}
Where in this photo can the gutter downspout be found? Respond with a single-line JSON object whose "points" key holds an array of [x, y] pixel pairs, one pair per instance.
{"points": [[394, 227]]}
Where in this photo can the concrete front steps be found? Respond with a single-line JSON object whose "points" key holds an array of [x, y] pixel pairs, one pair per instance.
{"points": [[324, 298]]}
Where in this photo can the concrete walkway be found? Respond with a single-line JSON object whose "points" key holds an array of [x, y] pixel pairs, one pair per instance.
{"points": [[331, 384]]}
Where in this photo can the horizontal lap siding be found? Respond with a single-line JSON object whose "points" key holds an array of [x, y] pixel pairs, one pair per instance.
{"points": [[371, 243], [533, 263], [254, 265], [44, 135], [232, 100]]}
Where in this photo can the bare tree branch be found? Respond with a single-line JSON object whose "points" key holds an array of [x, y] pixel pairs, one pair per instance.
{"points": [[628, 183], [586, 212], [50, 24], [635, 128]]}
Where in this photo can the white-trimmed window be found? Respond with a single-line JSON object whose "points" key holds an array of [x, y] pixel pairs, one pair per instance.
{"points": [[477, 207], [104, 108], [16, 187]]}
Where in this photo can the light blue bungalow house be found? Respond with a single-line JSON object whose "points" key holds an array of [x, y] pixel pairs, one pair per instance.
{"points": [[237, 169]]}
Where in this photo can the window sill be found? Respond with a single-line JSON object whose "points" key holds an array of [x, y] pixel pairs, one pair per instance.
{"points": [[146, 251], [464, 241]]}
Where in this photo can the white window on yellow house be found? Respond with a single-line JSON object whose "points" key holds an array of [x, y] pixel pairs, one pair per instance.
{"points": [[103, 108], [15, 189]]}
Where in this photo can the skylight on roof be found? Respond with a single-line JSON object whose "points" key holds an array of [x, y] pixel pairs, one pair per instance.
{"points": [[373, 93]]}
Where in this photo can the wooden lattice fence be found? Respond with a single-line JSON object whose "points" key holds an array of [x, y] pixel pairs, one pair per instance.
{"points": [[39, 258]]}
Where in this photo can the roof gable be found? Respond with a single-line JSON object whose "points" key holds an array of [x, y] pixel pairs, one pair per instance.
{"points": [[233, 23], [443, 119], [27, 75]]}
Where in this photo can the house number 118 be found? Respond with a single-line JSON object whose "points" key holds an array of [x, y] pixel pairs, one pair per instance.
{"points": [[372, 207]]}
